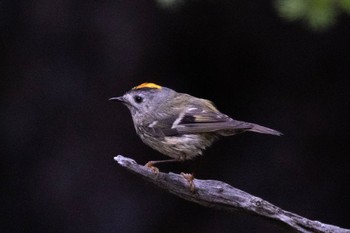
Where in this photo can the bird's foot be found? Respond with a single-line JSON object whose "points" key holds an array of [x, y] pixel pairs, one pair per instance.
{"points": [[152, 167], [189, 177]]}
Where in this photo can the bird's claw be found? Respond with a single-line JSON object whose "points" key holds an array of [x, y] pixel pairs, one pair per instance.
{"points": [[189, 177], [153, 168]]}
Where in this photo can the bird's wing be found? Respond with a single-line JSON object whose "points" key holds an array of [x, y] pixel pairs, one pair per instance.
{"points": [[193, 120], [161, 127], [198, 120]]}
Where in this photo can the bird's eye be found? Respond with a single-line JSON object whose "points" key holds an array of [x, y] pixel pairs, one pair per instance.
{"points": [[138, 99]]}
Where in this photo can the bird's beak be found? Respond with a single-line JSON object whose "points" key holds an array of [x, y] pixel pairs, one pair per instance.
{"points": [[119, 99]]}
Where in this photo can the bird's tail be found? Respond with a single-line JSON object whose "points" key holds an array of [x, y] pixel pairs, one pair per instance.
{"points": [[235, 127], [261, 129]]}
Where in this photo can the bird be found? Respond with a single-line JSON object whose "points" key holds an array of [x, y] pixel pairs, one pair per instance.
{"points": [[179, 125]]}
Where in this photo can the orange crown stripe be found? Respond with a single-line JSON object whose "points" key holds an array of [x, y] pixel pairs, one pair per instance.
{"points": [[147, 85]]}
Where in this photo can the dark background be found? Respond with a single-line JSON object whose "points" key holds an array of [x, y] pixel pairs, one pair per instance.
{"points": [[62, 60]]}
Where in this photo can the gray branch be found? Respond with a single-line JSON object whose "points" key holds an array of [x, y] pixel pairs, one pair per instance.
{"points": [[219, 195]]}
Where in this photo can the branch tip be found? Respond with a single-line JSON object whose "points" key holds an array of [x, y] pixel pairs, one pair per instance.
{"points": [[123, 161]]}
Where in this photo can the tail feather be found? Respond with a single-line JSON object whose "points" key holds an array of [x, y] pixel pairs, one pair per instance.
{"points": [[236, 127], [261, 129]]}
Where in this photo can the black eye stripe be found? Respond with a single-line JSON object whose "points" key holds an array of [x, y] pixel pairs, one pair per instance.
{"points": [[138, 99]]}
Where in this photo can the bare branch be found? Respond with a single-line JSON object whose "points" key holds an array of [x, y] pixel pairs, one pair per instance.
{"points": [[219, 195]]}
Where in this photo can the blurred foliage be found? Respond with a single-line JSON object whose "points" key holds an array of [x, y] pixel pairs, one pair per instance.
{"points": [[317, 14], [169, 3]]}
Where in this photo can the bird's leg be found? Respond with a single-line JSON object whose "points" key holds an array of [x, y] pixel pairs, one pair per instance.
{"points": [[189, 177], [150, 164]]}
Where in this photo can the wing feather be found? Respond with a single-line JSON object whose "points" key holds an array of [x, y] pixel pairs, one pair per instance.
{"points": [[198, 120]]}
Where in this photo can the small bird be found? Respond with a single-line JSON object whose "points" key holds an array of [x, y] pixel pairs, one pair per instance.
{"points": [[179, 125]]}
